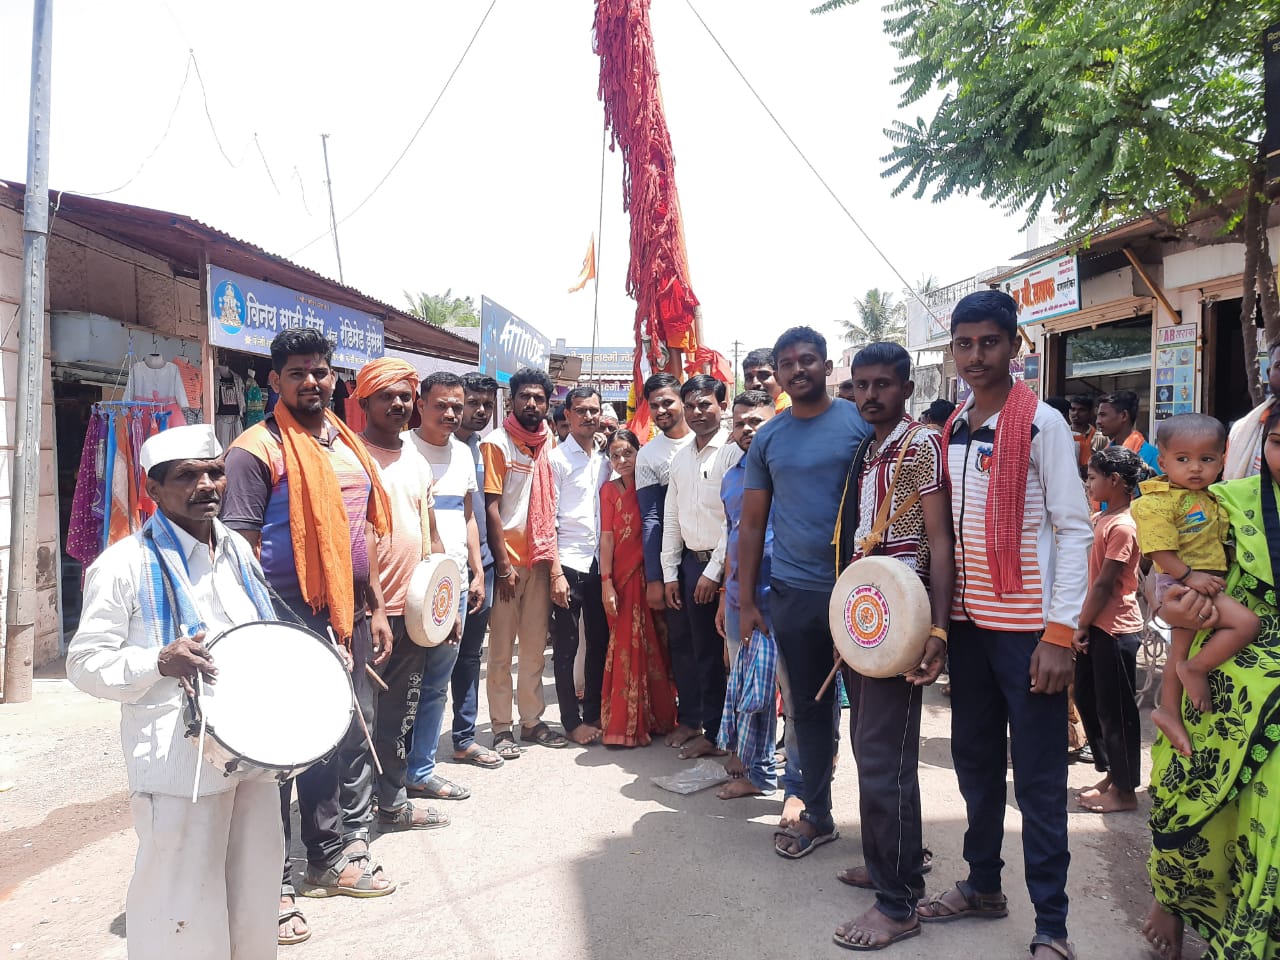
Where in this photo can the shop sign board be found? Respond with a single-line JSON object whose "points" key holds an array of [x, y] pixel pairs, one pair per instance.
{"points": [[246, 314], [1047, 290], [603, 361], [508, 343], [1175, 371]]}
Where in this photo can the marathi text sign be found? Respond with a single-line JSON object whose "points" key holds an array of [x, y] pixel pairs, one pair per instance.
{"points": [[1045, 291], [508, 343], [603, 361], [246, 314]]}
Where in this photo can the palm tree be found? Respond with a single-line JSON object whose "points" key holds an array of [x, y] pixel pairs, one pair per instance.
{"points": [[879, 320], [443, 309]]}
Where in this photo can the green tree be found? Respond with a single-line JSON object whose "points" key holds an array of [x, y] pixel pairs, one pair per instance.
{"points": [[1101, 109], [443, 309], [880, 319]]}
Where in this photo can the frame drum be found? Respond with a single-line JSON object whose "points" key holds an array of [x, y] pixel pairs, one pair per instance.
{"points": [[431, 604], [283, 701], [880, 617]]}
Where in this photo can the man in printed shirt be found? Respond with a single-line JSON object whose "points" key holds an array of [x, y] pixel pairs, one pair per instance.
{"points": [[1022, 543], [575, 575], [693, 538], [899, 470], [205, 872]]}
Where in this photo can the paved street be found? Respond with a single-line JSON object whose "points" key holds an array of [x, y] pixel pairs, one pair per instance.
{"points": [[561, 854]]}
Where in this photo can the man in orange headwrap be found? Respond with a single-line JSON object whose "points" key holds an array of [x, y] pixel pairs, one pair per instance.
{"points": [[304, 492]]}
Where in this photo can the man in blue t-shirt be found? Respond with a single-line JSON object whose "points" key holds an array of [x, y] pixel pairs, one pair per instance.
{"points": [[796, 468]]}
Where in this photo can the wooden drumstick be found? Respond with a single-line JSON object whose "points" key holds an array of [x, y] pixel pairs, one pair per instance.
{"points": [[373, 675], [831, 678], [364, 727]]}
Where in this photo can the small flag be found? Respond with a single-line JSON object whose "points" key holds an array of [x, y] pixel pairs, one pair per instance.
{"points": [[588, 266]]}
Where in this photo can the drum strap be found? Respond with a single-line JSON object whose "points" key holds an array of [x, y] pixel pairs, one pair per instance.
{"points": [[871, 542]]}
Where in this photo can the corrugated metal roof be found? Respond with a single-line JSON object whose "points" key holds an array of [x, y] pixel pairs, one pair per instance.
{"points": [[180, 239]]}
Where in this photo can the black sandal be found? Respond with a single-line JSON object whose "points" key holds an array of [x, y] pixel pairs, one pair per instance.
{"points": [[541, 734], [505, 746], [1062, 948], [402, 819]]}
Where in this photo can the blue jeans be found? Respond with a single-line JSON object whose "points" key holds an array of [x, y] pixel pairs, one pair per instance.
{"points": [[421, 761], [764, 774], [466, 672]]}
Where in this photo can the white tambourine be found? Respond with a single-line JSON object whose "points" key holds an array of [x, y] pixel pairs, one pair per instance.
{"points": [[431, 604], [880, 617]]}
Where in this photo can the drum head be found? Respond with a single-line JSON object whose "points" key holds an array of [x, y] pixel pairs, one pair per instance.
{"points": [[431, 604], [283, 696], [880, 617]]}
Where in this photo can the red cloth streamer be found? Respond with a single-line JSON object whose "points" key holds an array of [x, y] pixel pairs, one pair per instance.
{"points": [[658, 273], [540, 529], [1007, 495]]}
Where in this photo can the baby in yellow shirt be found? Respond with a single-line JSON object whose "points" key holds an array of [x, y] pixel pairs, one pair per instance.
{"points": [[1183, 530]]}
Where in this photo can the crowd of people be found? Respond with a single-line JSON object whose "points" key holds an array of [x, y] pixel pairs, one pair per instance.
{"points": [[694, 571]]}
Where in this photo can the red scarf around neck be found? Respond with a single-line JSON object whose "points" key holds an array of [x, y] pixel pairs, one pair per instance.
{"points": [[540, 529], [1007, 494]]}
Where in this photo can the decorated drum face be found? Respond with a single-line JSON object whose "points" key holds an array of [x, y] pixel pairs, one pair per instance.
{"points": [[283, 700], [880, 617], [431, 603]]}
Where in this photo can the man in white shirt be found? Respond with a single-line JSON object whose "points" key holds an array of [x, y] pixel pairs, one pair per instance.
{"points": [[653, 470], [693, 541], [206, 875], [575, 576], [441, 405]]}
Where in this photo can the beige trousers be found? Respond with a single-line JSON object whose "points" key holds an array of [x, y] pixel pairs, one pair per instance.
{"points": [[527, 617], [206, 881]]}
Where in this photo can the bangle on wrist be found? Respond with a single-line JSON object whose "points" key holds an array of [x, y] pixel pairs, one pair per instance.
{"points": [[1186, 573], [939, 632], [503, 576]]}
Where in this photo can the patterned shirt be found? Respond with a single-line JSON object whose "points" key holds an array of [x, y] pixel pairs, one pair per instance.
{"points": [[1186, 522], [921, 471]]}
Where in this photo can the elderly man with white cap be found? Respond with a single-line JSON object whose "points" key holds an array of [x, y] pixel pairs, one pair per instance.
{"points": [[205, 877]]}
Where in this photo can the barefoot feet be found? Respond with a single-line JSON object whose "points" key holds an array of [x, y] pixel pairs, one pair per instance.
{"points": [[1110, 800], [681, 734], [1171, 726], [1195, 683], [741, 787], [1164, 932], [1097, 790], [584, 733], [699, 746]]}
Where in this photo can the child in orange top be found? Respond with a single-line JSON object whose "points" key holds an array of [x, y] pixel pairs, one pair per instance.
{"points": [[1182, 529]]}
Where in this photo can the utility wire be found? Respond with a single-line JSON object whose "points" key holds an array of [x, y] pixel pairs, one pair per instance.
{"points": [[204, 96], [378, 186], [778, 123]]}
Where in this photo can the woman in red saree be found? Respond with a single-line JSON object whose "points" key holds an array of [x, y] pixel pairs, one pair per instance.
{"points": [[638, 696]]}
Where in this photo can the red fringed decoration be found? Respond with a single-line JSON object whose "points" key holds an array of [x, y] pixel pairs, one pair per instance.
{"points": [[658, 274]]}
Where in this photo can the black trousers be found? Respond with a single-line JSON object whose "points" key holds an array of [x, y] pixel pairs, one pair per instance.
{"points": [[335, 797], [586, 607], [697, 654], [1106, 678], [991, 696], [884, 723], [803, 634], [396, 708]]}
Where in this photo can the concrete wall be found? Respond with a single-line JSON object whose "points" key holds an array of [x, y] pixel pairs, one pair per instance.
{"points": [[46, 547]]}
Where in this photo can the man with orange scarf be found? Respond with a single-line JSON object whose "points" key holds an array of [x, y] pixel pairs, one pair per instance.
{"points": [[520, 500], [304, 493]]}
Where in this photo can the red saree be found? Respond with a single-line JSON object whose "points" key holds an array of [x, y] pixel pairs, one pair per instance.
{"points": [[638, 696]]}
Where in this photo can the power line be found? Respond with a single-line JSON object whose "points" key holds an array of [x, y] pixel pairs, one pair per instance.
{"points": [[378, 186], [778, 123], [204, 96]]}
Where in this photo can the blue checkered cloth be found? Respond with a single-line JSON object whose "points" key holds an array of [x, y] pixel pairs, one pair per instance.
{"points": [[749, 720]]}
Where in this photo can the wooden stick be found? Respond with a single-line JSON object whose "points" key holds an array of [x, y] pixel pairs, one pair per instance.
{"points": [[831, 678], [373, 675]]}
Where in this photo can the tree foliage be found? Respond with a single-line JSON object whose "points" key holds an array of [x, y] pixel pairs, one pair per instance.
{"points": [[1100, 109], [880, 320], [443, 309]]}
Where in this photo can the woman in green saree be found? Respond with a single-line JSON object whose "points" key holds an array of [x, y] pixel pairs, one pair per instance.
{"points": [[1215, 816]]}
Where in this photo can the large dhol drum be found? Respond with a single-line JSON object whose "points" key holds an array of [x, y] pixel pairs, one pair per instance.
{"points": [[880, 617], [283, 701], [431, 604]]}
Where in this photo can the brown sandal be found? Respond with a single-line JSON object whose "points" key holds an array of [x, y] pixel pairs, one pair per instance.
{"points": [[982, 906], [1062, 948]]}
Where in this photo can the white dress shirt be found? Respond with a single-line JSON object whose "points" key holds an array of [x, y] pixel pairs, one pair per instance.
{"points": [[694, 517], [578, 476], [111, 656]]}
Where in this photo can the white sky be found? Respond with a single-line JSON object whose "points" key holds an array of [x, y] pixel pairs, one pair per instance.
{"points": [[501, 190]]}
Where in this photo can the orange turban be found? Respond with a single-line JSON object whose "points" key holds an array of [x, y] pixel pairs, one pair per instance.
{"points": [[386, 372]]}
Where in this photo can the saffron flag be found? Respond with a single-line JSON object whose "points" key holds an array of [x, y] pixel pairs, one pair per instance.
{"points": [[588, 266]]}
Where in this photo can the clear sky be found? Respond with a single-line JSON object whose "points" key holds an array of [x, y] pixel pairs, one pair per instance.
{"points": [[501, 190]]}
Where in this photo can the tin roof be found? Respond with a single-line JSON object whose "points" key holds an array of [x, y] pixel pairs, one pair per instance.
{"points": [[179, 239]]}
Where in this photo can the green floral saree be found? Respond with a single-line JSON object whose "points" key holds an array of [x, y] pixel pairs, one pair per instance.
{"points": [[1215, 817]]}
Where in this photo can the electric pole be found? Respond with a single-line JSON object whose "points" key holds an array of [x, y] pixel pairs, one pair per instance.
{"points": [[333, 219], [737, 379], [20, 608]]}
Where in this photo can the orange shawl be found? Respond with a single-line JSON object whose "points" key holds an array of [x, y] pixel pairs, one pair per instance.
{"points": [[318, 522]]}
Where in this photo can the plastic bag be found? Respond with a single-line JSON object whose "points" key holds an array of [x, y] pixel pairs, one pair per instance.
{"points": [[705, 773]]}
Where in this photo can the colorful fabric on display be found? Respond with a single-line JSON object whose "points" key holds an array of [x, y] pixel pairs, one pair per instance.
{"points": [[123, 494], [658, 272], [84, 532], [254, 403], [1214, 815]]}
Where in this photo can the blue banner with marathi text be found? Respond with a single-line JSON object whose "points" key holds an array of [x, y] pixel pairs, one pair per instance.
{"points": [[246, 314]]}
